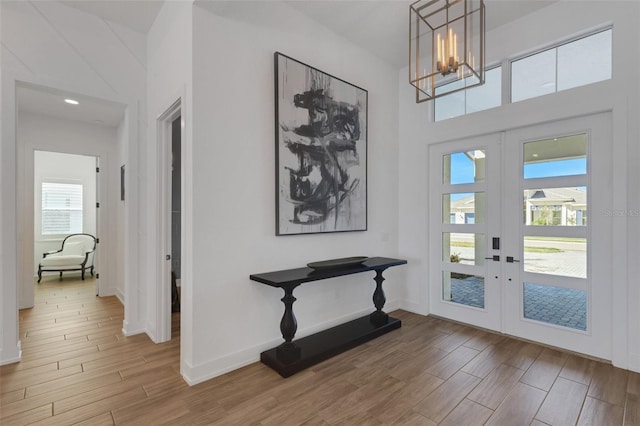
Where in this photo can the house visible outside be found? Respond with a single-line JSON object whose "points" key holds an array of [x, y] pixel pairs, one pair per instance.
{"points": [[557, 206]]}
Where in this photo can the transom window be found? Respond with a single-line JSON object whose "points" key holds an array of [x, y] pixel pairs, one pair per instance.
{"points": [[574, 63], [478, 98]]}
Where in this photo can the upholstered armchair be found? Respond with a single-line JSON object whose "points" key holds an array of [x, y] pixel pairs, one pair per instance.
{"points": [[76, 254]]}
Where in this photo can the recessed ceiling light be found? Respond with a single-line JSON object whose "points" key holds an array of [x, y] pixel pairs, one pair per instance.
{"points": [[71, 101], [535, 155], [98, 121]]}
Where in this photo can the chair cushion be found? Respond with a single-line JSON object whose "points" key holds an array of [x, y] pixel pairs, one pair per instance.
{"points": [[73, 249], [62, 260]]}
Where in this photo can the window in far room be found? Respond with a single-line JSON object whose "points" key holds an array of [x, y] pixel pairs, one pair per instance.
{"points": [[61, 208]]}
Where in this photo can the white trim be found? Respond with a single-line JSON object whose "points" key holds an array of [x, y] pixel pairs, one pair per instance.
{"points": [[186, 234], [133, 310], [411, 306], [633, 362], [194, 374], [163, 229], [11, 360], [128, 331], [120, 295]]}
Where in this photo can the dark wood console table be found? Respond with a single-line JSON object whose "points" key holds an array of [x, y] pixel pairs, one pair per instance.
{"points": [[292, 356]]}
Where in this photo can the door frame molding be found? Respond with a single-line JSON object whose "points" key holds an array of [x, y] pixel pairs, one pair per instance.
{"points": [[163, 265], [482, 317], [435, 255]]}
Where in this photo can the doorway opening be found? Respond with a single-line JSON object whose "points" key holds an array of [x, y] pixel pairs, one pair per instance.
{"points": [[68, 147], [170, 207], [514, 249], [176, 213], [65, 203]]}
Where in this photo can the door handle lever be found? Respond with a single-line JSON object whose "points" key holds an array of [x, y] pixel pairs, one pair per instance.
{"points": [[510, 259], [495, 258]]}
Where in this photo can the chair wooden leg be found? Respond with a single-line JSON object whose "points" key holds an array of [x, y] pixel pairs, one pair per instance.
{"points": [[82, 274], [39, 274], [60, 274], [92, 270]]}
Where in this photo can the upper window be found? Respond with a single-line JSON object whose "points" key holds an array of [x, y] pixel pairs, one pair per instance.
{"points": [[573, 64], [475, 99], [61, 208]]}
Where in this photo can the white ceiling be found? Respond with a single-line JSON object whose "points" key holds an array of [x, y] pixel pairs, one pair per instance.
{"points": [[135, 14], [38, 100], [378, 26], [382, 26]]}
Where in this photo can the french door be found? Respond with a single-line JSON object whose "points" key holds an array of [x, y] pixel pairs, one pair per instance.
{"points": [[513, 247]]}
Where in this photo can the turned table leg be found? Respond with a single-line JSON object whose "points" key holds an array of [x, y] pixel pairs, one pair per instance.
{"points": [[288, 324], [379, 299]]}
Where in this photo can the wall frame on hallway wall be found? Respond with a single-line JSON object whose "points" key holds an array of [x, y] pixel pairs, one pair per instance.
{"points": [[321, 151], [122, 183]]}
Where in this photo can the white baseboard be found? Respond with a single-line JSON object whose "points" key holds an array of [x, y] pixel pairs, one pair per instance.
{"points": [[14, 356], [413, 307], [219, 366], [129, 330], [120, 295], [634, 362]]}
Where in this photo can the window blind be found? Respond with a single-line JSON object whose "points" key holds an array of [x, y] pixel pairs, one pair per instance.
{"points": [[61, 208]]}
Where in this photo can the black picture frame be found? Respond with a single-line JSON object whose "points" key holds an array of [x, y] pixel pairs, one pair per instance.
{"points": [[122, 183], [321, 137]]}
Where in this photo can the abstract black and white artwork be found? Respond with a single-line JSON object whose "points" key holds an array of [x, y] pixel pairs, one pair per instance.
{"points": [[321, 151]]}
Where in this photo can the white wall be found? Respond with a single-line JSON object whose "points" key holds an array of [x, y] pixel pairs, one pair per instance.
{"points": [[169, 50], [560, 20], [120, 235], [68, 168], [42, 133], [233, 215], [49, 44]]}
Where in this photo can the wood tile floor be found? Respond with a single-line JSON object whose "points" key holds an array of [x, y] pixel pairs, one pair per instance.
{"points": [[78, 368]]}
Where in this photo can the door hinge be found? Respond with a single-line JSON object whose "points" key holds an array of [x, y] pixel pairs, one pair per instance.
{"points": [[168, 257], [97, 240], [97, 205], [97, 169], [97, 276]]}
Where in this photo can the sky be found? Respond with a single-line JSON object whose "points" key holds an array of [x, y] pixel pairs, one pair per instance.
{"points": [[462, 170]]}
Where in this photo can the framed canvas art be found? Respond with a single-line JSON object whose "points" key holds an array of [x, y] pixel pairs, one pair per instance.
{"points": [[321, 151]]}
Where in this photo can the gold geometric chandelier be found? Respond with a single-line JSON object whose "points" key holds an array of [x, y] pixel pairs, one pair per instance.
{"points": [[446, 46]]}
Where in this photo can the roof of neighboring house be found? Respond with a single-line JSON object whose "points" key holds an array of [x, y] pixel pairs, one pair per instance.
{"points": [[560, 195], [466, 203]]}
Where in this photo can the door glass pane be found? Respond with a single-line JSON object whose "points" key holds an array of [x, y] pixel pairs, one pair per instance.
{"points": [[463, 289], [565, 156], [463, 167], [556, 256], [533, 76], [463, 208], [463, 248], [556, 305], [555, 207], [585, 61]]}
